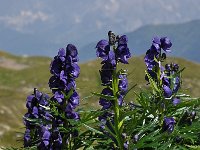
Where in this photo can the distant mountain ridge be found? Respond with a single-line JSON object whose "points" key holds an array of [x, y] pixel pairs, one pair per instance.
{"points": [[185, 39]]}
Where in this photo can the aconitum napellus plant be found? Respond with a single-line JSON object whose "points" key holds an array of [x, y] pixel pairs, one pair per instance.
{"points": [[159, 117], [48, 119], [112, 52]]}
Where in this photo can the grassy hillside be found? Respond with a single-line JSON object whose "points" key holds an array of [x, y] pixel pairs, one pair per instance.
{"points": [[19, 75]]}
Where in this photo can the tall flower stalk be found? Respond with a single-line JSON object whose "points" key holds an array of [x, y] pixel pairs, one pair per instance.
{"points": [[47, 122], [164, 80], [65, 70], [115, 81]]}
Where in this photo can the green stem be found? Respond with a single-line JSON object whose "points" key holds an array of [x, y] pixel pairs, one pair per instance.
{"points": [[116, 109]]}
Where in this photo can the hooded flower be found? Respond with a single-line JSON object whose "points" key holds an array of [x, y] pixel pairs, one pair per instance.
{"points": [[27, 138], [106, 73], [122, 51], [103, 49], [103, 102], [168, 124]]}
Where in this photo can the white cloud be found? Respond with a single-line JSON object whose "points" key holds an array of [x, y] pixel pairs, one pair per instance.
{"points": [[99, 24], [77, 19], [108, 7], [24, 18]]}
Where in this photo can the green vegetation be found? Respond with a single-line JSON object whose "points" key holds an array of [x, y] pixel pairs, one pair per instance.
{"points": [[19, 75]]}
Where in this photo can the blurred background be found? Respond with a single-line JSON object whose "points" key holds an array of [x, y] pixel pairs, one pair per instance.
{"points": [[31, 32]]}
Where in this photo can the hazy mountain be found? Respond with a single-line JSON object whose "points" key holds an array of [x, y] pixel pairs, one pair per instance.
{"points": [[185, 38], [38, 27]]}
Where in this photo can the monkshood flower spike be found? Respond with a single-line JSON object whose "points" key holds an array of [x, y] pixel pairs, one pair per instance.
{"points": [[35, 105], [42, 124], [65, 70], [113, 52]]}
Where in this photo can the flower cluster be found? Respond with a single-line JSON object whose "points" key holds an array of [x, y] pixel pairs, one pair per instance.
{"points": [[50, 138], [120, 53], [171, 82], [165, 78], [35, 104], [154, 55], [112, 52], [45, 131], [65, 70], [111, 56]]}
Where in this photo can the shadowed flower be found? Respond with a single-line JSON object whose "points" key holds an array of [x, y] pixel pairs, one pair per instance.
{"points": [[57, 140], [168, 124], [166, 44], [27, 138], [71, 53], [103, 102], [106, 73], [45, 140]]}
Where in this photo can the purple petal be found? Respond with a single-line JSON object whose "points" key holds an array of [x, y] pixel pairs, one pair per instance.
{"points": [[176, 101]]}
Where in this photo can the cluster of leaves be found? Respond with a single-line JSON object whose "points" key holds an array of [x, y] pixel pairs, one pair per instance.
{"points": [[161, 118]]}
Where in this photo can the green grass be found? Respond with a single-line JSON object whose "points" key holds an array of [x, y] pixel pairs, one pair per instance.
{"points": [[15, 85]]}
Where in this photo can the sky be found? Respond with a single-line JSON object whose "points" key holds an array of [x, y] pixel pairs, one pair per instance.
{"points": [[83, 21]]}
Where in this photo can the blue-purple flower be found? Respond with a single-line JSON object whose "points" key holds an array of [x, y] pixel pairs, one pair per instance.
{"points": [[63, 79], [176, 101], [122, 51], [103, 49], [27, 138], [115, 50], [154, 55], [123, 83], [106, 104], [106, 73], [168, 124], [171, 81]]}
